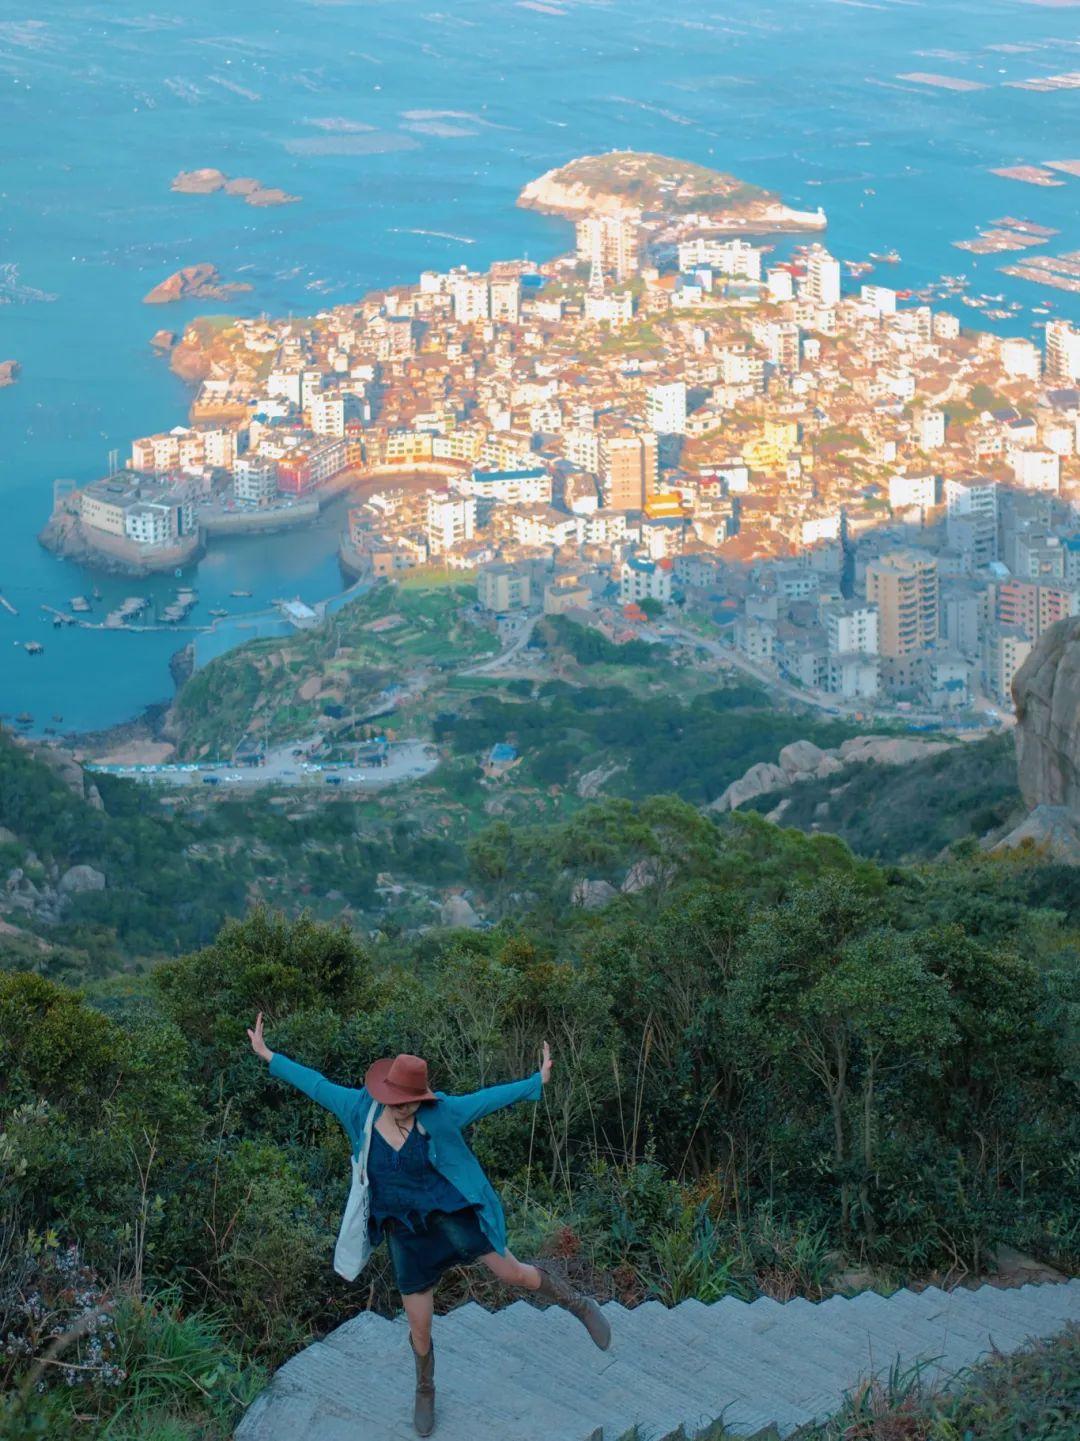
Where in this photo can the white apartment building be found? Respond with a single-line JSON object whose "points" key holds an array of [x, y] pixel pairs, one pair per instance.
{"points": [[285, 383], [327, 411], [310, 385], [506, 300], [816, 528], [878, 300], [822, 283], [735, 258], [781, 285], [907, 491], [583, 448], [852, 629], [219, 448], [472, 298], [641, 579], [608, 243], [665, 408], [148, 524], [602, 527], [544, 526], [1036, 469], [930, 430], [255, 479], [1021, 358], [507, 487], [1062, 352], [450, 521], [614, 310]]}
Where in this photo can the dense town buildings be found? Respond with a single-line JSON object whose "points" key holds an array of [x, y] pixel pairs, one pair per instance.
{"points": [[855, 493]]}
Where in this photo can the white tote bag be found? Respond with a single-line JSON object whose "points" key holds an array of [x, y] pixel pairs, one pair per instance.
{"points": [[353, 1243]]}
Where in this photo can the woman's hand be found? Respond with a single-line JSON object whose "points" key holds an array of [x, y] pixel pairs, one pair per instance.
{"points": [[545, 1064], [259, 1046]]}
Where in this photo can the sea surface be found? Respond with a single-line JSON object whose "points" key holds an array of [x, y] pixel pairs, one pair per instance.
{"points": [[408, 130]]}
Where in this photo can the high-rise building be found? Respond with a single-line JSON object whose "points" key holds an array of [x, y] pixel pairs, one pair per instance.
{"points": [[506, 300], [1062, 351], [608, 244], [472, 298], [822, 284], [665, 408], [904, 587], [629, 469]]}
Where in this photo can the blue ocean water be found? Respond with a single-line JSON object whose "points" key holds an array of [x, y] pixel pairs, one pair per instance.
{"points": [[408, 131]]}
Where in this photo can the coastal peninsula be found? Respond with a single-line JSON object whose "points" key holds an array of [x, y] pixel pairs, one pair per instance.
{"points": [[208, 181], [626, 182], [194, 282]]}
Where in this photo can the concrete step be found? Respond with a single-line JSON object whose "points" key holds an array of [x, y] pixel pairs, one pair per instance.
{"points": [[525, 1374]]}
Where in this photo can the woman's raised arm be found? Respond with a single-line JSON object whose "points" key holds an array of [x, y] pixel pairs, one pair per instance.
{"points": [[477, 1104], [343, 1101]]}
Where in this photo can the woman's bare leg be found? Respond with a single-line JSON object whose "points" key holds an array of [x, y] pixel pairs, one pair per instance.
{"points": [[419, 1308], [512, 1271]]}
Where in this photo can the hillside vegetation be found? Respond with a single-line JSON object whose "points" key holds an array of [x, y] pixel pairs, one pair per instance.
{"points": [[774, 1062]]}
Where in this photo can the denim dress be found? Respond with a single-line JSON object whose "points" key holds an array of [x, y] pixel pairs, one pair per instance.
{"points": [[428, 1224]]}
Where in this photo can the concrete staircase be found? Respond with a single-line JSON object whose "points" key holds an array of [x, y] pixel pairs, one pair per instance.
{"points": [[522, 1374]]}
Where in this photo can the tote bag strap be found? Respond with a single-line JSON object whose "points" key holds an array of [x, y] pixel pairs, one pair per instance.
{"points": [[365, 1144]]}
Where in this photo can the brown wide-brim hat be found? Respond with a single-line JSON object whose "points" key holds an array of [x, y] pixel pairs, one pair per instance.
{"points": [[399, 1081]]}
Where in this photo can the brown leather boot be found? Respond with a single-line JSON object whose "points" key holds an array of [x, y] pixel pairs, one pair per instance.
{"points": [[424, 1405], [556, 1288]]}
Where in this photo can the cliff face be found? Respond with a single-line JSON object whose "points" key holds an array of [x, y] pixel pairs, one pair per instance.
{"points": [[1047, 696]]}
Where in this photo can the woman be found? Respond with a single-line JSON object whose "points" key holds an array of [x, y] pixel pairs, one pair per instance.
{"points": [[429, 1196]]}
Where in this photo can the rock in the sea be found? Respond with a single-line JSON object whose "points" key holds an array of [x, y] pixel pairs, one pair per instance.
{"points": [[194, 282], [81, 878], [592, 895], [164, 339], [9, 372], [250, 190], [1046, 692], [458, 913], [199, 182]]}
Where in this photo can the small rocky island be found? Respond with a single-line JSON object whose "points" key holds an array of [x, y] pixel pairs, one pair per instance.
{"points": [[625, 182], [194, 282], [9, 372], [208, 181]]}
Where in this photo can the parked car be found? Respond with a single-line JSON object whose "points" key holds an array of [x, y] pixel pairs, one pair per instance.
{"points": [[211, 780]]}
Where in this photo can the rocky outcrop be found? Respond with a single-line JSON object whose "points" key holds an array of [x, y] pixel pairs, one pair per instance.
{"points": [[164, 340], [1046, 693], [804, 761], [194, 282], [458, 913], [628, 182], [592, 895], [81, 878], [208, 181], [9, 372], [1053, 831]]}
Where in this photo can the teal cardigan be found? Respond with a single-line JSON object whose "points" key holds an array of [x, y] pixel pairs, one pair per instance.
{"points": [[442, 1120]]}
